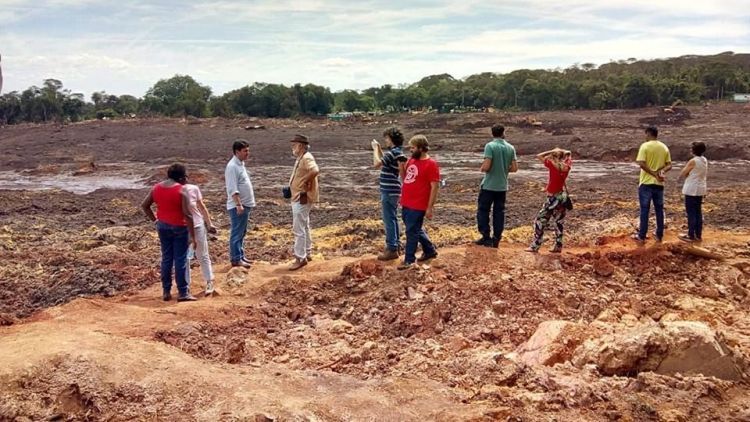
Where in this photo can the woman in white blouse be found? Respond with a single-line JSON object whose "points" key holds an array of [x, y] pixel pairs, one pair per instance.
{"points": [[694, 190]]}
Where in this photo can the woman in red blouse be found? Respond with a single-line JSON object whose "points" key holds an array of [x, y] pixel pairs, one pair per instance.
{"points": [[175, 226]]}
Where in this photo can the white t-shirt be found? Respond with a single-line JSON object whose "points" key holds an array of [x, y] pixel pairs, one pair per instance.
{"points": [[194, 195]]}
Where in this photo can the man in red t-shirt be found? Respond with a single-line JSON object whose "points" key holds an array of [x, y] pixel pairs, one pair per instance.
{"points": [[558, 162], [421, 177]]}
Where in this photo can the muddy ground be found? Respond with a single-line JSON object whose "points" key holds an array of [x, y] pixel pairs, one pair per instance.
{"points": [[350, 338]]}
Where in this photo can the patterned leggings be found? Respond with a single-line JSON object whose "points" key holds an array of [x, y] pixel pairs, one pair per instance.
{"points": [[552, 210]]}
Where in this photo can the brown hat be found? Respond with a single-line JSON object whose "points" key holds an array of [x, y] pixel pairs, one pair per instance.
{"points": [[302, 139]]}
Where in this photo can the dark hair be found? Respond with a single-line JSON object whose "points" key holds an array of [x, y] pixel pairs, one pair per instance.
{"points": [[698, 148], [653, 131], [498, 130], [177, 172], [238, 145], [395, 134]]}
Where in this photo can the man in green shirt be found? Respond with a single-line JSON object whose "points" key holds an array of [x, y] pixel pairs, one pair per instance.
{"points": [[654, 160], [499, 160]]}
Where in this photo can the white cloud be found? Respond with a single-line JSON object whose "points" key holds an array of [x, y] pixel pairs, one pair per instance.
{"points": [[127, 46], [336, 62]]}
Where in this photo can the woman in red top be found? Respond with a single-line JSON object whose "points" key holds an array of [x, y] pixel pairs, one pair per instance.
{"points": [[558, 162], [175, 226]]}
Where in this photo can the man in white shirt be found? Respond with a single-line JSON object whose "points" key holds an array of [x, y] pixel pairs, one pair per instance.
{"points": [[240, 198]]}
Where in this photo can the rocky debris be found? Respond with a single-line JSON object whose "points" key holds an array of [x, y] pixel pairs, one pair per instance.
{"points": [[499, 307], [87, 244], [668, 116], [685, 347], [362, 269], [333, 326], [6, 319], [86, 169], [236, 277], [696, 251], [490, 367], [603, 267], [413, 294], [630, 347], [117, 234], [553, 342]]}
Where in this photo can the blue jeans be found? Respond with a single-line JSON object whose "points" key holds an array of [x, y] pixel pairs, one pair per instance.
{"points": [[694, 216], [174, 246], [237, 233], [390, 220], [646, 195], [415, 234], [495, 200]]}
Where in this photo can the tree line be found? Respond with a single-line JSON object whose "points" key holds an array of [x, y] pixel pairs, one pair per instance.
{"points": [[619, 84]]}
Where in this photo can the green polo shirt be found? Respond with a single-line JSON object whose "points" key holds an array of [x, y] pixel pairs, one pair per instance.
{"points": [[502, 155]]}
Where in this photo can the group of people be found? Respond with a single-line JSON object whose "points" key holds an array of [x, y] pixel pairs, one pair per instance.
{"points": [[413, 182], [183, 222]]}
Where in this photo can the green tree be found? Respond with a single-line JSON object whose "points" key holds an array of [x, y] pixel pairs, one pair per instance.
{"points": [[74, 107], [10, 108], [126, 105], [179, 95], [638, 92]]}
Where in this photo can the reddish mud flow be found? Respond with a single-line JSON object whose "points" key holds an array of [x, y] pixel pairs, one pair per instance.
{"points": [[652, 333]]}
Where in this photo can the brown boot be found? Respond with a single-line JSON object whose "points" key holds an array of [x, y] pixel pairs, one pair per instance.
{"points": [[388, 255], [297, 264]]}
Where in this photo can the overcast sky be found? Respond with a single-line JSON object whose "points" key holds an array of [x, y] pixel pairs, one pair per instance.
{"points": [[124, 47]]}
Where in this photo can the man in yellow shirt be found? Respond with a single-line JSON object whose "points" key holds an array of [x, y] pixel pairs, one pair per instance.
{"points": [[655, 162]]}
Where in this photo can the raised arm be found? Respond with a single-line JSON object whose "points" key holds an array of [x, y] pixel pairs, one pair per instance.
{"points": [[377, 155]]}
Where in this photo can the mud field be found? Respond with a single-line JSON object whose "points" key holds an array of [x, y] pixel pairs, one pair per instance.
{"points": [[606, 331]]}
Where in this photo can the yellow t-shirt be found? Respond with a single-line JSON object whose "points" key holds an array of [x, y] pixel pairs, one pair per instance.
{"points": [[656, 155]]}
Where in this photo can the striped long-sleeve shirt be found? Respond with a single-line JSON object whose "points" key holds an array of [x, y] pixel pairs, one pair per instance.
{"points": [[390, 182]]}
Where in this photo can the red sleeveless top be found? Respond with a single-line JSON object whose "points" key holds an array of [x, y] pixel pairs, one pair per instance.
{"points": [[169, 204]]}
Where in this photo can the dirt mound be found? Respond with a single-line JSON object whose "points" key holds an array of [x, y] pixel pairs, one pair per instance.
{"points": [[684, 347], [100, 263], [625, 349], [670, 116]]}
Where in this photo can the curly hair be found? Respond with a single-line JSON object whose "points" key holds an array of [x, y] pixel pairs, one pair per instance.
{"points": [[395, 134], [178, 173]]}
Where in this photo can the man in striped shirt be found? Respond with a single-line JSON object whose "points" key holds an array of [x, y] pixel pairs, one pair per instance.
{"points": [[390, 163]]}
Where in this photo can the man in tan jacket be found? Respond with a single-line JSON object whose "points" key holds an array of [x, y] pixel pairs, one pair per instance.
{"points": [[304, 186]]}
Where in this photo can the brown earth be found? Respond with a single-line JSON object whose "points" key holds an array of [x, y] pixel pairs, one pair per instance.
{"points": [[351, 338]]}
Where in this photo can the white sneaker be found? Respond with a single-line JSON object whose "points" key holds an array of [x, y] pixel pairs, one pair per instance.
{"points": [[209, 287]]}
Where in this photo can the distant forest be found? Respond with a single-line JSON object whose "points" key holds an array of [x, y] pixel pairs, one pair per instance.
{"points": [[627, 83]]}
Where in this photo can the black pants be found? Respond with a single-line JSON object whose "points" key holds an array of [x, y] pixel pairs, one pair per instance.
{"points": [[495, 200], [694, 216]]}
